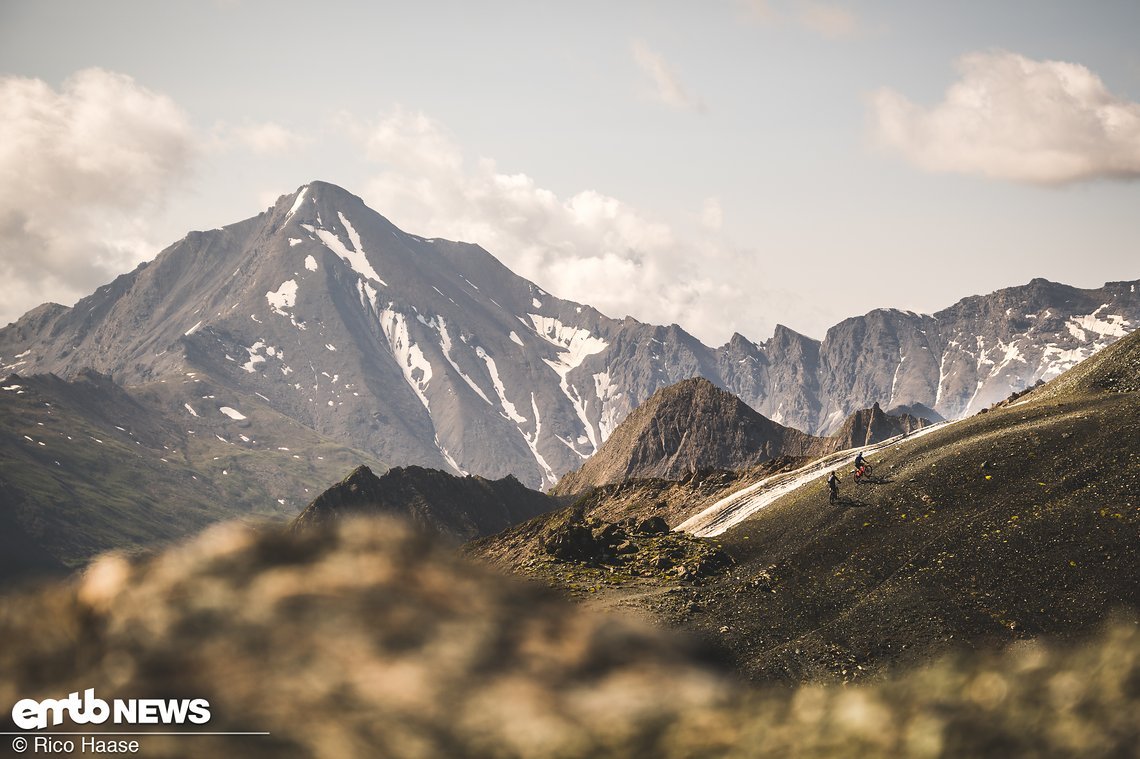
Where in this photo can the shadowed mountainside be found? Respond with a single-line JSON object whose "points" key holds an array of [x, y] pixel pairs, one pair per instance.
{"points": [[464, 507]]}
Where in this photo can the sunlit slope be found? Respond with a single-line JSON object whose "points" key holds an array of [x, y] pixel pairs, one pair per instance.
{"points": [[1021, 521]]}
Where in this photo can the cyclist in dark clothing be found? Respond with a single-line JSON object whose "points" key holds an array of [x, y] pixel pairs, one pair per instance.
{"points": [[859, 460], [833, 484]]}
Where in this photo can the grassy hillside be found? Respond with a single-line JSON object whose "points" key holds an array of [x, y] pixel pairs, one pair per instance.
{"points": [[1014, 523], [1011, 524], [86, 467]]}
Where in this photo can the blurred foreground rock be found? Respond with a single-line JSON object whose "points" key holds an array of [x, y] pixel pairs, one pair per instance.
{"points": [[373, 640]]}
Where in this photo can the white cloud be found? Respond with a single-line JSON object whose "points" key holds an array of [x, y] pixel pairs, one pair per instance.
{"points": [[831, 21], [83, 166], [667, 86], [1011, 117], [589, 247]]}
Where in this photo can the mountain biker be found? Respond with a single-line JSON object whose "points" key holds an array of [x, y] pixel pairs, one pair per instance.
{"points": [[833, 484], [859, 460]]}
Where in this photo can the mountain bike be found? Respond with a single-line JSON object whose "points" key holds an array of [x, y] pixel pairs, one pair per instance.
{"points": [[862, 474]]}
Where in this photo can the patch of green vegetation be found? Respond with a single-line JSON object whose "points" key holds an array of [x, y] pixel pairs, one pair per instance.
{"points": [[79, 485]]}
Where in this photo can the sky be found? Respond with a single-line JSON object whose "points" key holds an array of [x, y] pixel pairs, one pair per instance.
{"points": [[726, 165]]}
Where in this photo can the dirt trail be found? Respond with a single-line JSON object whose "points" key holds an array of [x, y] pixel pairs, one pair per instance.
{"points": [[736, 507]]}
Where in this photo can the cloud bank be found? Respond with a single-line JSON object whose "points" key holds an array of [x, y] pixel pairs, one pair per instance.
{"points": [[1010, 117], [589, 247], [83, 167]]}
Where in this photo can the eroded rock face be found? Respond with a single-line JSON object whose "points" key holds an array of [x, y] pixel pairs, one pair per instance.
{"points": [[371, 639]]}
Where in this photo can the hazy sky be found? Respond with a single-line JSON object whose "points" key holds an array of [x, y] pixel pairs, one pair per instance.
{"points": [[724, 165]]}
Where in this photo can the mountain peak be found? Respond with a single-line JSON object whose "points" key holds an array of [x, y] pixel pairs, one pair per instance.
{"points": [[687, 427], [309, 201]]}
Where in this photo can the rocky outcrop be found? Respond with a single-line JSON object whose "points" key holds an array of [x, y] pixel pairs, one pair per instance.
{"points": [[464, 507], [686, 428], [918, 411], [635, 547], [870, 426]]}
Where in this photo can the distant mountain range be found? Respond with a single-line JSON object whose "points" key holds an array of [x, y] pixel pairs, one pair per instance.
{"points": [[247, 367], [430, 352]]}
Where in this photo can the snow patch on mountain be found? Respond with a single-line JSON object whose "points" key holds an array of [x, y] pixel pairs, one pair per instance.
{"points": [[356, 257], [232, 413], [1057, 360], [1113, 325], [608, 394], [283, 297], [1012, 353], [254, 357], [413, 363], [445, 344], [310, 263], [574, 346], [451, 462], [549, 478], [297, 203], [511, 412]]}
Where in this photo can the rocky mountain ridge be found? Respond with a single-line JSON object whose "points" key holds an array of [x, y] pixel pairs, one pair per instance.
{"points": [[421, 351]]}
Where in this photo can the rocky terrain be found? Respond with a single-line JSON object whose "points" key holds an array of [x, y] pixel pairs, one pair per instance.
{"points": [[462, 507], [577, 553], [1014, 524], [372, 639], [918, 411], [869, 426]]}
